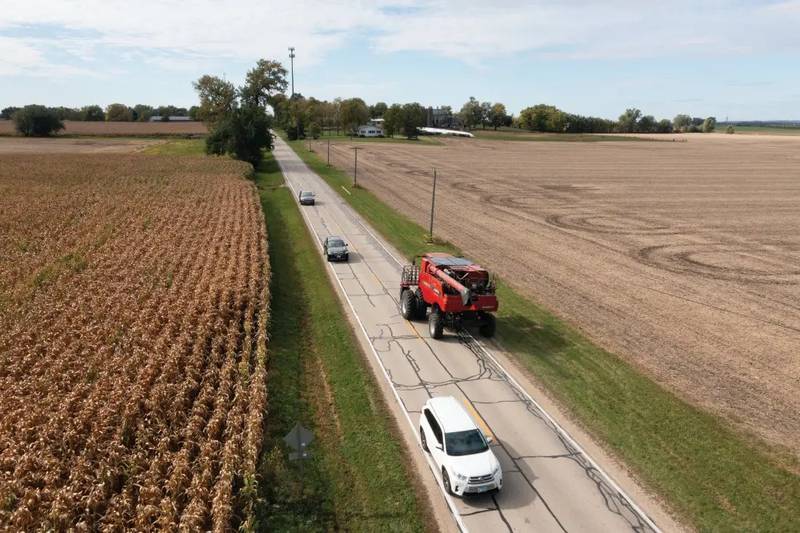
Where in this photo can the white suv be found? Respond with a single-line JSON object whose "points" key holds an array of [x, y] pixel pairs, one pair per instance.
{"points": [[458, 447]]}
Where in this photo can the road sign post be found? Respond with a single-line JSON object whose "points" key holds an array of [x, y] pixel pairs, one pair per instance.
{"points": [[355, 167], [298, 439]]}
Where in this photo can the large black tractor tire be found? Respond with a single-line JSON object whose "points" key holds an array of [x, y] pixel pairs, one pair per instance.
{"points": [[422, 309], [408, 305], [489, 325], [435, 323]]}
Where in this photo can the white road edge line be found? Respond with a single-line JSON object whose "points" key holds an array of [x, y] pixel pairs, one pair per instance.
{"points": [[534, 402], [310, 226]]}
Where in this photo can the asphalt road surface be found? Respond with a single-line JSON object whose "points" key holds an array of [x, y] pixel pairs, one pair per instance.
{"points": [[550, 483]]}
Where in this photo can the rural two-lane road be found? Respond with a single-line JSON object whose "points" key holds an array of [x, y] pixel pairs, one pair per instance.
{"points": [[550, 483]]}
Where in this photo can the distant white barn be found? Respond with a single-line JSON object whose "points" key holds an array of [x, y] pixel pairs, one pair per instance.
{"points": [[370, 130]]}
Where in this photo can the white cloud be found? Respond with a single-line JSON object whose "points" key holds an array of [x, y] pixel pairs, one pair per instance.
{"points": [[17, 56], [477, 31], [177, 35]]}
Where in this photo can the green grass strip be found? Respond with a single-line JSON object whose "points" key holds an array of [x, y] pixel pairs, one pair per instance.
{"points": [[178, 147], [713, 477], [357, 479]]}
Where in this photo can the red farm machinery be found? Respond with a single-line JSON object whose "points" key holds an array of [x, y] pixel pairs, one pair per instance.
{"points": [[458, 292]]}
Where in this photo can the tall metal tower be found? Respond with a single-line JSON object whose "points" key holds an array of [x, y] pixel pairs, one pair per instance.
{"points": [[291, 58]]}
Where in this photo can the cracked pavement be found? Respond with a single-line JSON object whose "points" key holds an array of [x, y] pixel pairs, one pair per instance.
{"points": [[550, 484]]}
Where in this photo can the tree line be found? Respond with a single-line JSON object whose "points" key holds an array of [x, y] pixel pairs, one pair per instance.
{"points": [[304, 117], [113, 113], [548, 118]]}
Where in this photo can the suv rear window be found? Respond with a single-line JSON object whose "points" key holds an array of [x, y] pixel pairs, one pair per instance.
{"points": [[465, 442]]}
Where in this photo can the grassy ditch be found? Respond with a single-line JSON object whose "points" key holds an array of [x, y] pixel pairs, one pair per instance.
{"points": [[178, 147], [357, 477], [714, 478]]}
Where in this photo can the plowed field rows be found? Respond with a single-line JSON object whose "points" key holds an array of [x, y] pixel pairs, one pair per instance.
{"points": [[133, 300], [683, 257], [126, 129]]}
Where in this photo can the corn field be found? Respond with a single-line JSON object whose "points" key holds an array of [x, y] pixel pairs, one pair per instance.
{"points": [[133, 310]]}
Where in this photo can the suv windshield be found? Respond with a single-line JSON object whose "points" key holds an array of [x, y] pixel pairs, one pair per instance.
{"points": [[335, 243], [306, 194], [465, 442]]}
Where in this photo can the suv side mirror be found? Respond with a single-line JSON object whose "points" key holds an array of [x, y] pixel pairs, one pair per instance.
{"points": [[489, 439]]}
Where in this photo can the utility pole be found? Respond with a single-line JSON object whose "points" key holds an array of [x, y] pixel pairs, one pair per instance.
{"points": [[355, 166], [297, 120], [433, 204], [329, 152]]}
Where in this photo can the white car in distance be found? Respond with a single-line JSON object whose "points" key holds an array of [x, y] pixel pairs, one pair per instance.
{"points": [[459, 449]]}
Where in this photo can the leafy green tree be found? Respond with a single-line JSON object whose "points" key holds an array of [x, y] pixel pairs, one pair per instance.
{"points": [[377, 110], [92, 113], [471, 113], [709, 124], [217, 98], [413, 118], [486, 110], [296, 117], [354, 112], [193, 112], [629, 120], [730, 130], [497, 115], [314, 130], [142, 113], [119, 113], [337, 114], [262, 82], [543, 117], [681, 122], [66, 113], [166, 111], [392, 120], [243, 133], [646, 124], [8, 112], [37, 121], [664, 126], [582, 124]]}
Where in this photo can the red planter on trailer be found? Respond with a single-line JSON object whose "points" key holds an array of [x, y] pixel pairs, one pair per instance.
{"points": [[458, 292]]}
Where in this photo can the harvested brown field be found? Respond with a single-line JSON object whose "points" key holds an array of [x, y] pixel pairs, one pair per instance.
{"points": [[683, 257], [123, 129], [56, 145], [133, 310]]}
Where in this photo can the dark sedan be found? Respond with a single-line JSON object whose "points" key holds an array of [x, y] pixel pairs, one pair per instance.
{"points": [[306, 198], [335, 249]]}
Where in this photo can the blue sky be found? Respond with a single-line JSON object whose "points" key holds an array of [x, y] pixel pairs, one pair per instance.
{"points": [[736, 59]]}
